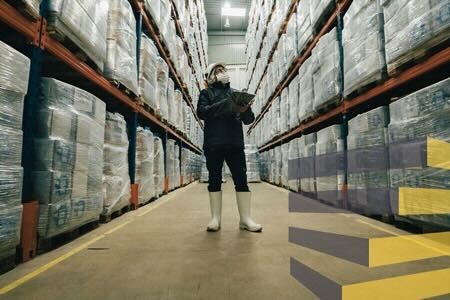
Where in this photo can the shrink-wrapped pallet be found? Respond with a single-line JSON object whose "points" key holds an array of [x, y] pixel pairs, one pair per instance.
{"points": [[419, 132], [158, 165], [293, 166], [363, 44], [148, 73], [162, 86], [171, 163], [284, 110], [116, 178], [153, 7], [177, 110], [284, 164], [367, 162], [326, 65], [304, 26], [14, 73], [68, 167], [294, 102], [291, 41], [83, 22], [307, 153], [121, 62], [252, 163], [329, 164], [144, 164], [412, 27], [171, 108], [306, 91]]}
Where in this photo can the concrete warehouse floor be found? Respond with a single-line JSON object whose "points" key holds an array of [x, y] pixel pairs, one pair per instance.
{"points": [[162, 251]]}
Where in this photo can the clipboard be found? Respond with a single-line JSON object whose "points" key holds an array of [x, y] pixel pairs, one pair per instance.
{"points": [[242, 98]]}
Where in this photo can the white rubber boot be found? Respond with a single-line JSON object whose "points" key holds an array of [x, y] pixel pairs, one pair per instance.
{"points": [[244, 205], [215, 202]]}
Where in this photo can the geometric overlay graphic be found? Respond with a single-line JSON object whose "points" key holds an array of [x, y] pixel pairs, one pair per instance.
{"points": [[374, 253]]}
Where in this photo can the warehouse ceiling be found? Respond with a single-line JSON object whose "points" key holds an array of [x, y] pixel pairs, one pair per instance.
{"points": [[216, 22]]}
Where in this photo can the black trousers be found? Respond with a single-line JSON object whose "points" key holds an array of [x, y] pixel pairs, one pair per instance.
{"points": [[235, 159]]}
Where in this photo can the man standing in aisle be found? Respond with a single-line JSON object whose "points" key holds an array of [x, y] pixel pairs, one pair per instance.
{"points": [[224, 141]]}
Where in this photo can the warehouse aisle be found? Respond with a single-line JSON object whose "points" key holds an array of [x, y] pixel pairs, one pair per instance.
{"points": [[162, 251], [165, 253]]}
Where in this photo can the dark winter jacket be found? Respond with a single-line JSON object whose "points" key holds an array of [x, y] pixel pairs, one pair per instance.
{"points": [[223, 127]]}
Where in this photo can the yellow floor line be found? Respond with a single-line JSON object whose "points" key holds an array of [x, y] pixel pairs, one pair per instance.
{"points": [[42, 269]]}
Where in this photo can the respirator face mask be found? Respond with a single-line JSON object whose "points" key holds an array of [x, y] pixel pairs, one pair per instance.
{"points": [[223, 77]]}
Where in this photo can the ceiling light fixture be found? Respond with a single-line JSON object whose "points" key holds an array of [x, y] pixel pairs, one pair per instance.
{"points": [[233, 12], [227, 5]]}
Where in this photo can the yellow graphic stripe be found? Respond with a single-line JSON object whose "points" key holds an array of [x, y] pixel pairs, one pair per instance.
{"points": [[438, 154], [407, 248], [415, 286], [422, 201]]}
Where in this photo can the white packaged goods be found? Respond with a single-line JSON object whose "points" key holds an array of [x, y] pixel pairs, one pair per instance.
{"points": [[164, 16], [252, 160], [293, 156], [420, 125], [307, 153], [158, 165], [148, 73], [68, 167], [171, 108], [14, 73], [320, 10], [363, 43], [294, 102], [284, 110], [144, 164], [84, 22], [32, 7], [326, 64], [121, 62], [116, 178], [284, 164], [171, 164], [304, 26], [162, 85], [367, 162], [306, 91], [412, 26], [178, 110], [291, 41], [329, 167], [153, 7]]}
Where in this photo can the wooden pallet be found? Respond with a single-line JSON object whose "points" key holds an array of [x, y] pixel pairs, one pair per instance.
{"points": [[25, 9], [366, 85], [8, 261], [329, 105], [48, 244], [419, 54], [123, 88], [106, 218]]}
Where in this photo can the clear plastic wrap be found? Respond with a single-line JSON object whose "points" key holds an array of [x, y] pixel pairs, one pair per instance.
{"points": [[329, 164], [121, 62], [284, 164], [158, 165], [326, 64], [10, 187], [84, 22], [153, 7], [304, 26], [307, 153], [367, 162], [10, 224], [32, 7], [306, 91], [162, 86], [116, 179], [171, 107], [178, 111], [293, 171], [291, 40], [171, 163], [419, 127], [144, 164], [363, 43], [294, 102], [252, 161], [68, 167], [412, 26], [14, 70], [148, 73], [284, 110]]}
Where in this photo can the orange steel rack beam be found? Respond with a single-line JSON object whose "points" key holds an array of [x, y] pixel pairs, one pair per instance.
{"points": [[162, 51], [293, 69], [434, 62]]}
